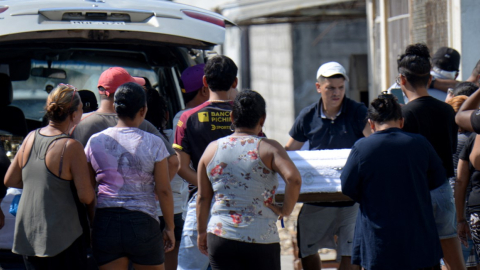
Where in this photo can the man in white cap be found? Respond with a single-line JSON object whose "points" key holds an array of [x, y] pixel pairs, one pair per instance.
{"points": [[334, 122]]}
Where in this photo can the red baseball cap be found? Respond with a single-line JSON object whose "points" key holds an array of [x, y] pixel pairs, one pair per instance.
{"points": [[113, 77]]}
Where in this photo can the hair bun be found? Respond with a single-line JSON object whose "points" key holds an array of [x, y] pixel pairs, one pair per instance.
{"points": [[418, 49], [53, 107]]}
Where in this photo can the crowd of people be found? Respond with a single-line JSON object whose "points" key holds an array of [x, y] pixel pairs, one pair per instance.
{"points": [[117, 184]]}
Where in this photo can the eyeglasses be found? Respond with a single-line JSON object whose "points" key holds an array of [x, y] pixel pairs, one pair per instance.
{"points": [[397, 81], [71, 87]]}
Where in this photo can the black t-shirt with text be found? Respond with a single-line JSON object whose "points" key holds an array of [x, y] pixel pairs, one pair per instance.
{"points": [[202, 125]]}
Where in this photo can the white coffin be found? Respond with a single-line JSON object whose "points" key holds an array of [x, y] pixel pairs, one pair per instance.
{"points": [[320, 171]]}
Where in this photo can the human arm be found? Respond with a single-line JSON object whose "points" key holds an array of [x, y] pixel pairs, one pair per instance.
{"points": [[464, 114], [93, 182], [184, 170], [78, 166], [361, 120], [351, 177], [444, 84], [461, 183], [293, 145], [163, 191], [2, 216], [173, 162], [204, 197], [367, 131], [173, 166], [13, 177], [282, 164]]}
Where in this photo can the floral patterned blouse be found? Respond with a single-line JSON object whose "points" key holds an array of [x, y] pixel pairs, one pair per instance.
{"points": [[241, 185]]}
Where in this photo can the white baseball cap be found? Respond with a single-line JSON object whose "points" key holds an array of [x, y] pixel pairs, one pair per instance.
{"points": [[331, 68]]}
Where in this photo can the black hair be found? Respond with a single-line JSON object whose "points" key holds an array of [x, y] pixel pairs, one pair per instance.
{"points": [[465, 88], [385, 108], [248, 108], [321, 78], [220, 73], [415, 64], [157, 109], [187, 97], [129, 99]]}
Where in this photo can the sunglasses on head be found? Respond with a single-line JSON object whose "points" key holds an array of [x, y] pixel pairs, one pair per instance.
{"points": [[71, 87]]}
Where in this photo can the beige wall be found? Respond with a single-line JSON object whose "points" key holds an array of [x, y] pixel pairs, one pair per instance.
{"points": [[272, 76]]}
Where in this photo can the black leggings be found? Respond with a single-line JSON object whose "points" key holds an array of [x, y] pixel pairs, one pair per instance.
{"points": [[225, 254]]}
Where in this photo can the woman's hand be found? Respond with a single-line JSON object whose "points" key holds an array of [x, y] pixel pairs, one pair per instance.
{"points": [[168, 240], [463, 231], [202, 243], [276, 209]]}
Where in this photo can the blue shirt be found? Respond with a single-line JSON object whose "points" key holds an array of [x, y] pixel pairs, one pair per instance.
{"points": [[390, 174], [323, 133]]}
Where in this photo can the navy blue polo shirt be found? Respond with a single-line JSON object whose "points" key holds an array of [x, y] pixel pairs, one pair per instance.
{"points": [[323, 133]]}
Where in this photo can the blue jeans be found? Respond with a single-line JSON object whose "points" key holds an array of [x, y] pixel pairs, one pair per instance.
{"points": [[444, 211]]}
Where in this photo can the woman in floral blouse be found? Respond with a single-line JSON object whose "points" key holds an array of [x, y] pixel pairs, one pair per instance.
{"points": [[239, 171]]}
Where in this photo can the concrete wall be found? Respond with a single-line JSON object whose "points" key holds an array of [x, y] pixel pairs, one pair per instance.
{"points": [[272, 76], [319, 42], [470, 37]]}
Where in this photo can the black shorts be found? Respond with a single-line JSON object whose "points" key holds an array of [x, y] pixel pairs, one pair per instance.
{"points": [[226, 254], [118, 232], [74, 257], [178, 221]]}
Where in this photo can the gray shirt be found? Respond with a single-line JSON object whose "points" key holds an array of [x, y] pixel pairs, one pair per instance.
{"points": [[95, 122], [47, 220]]}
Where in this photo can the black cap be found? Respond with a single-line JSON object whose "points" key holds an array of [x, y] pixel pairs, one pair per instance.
{"points": [[447, 59]]}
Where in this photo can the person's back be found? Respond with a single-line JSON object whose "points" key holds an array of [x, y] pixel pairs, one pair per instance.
{"points": [[239, 212], [95, 122], [392, 185], [48, 200], [122, 158], [435, 120], [201, 125], [405, 196], [52, 170]]}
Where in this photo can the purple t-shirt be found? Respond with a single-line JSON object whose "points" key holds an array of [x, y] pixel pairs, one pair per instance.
{"points": [[124, 160]]}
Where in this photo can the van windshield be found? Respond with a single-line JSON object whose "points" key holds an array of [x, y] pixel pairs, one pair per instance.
{"points": [[30, 95]]}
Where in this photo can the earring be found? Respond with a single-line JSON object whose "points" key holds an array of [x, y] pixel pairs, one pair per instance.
{"points": [[232, 128]]}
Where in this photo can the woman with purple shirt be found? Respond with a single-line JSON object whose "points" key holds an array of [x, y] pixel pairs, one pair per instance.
{"points": [[130, 168]]}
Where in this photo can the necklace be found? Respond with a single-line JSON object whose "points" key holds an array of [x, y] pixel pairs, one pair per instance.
{"points": [[219, 100]]}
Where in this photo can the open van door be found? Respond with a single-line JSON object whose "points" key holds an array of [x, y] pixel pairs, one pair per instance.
{"points": [[111, 21]]}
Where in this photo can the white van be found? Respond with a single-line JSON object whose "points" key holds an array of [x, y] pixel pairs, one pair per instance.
{"points": [[43, 43]]}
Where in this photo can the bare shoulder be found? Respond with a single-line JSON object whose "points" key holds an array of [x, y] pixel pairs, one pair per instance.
{"points": [[212, 146], [71, 145], [270, 144]]}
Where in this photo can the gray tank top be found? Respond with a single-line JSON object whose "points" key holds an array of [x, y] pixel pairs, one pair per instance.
{"points": [[47, 220]]}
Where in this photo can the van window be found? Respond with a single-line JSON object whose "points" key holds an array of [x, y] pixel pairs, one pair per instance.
{"points": [[31, 95]]}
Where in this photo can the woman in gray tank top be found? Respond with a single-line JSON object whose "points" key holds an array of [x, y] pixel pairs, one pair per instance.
{"points": [[52, 170], [239, 171]]}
